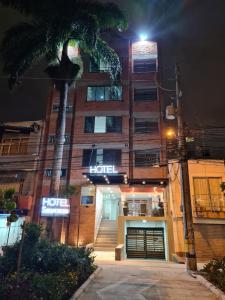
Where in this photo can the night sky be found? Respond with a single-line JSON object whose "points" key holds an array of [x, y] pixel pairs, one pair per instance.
{"points": [[196, 39]]}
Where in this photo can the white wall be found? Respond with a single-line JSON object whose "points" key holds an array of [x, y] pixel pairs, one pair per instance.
{"points": [[10, 235], [98, 210]]}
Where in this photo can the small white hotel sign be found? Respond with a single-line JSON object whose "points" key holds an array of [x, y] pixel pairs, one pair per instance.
{"points": [[105, 169], [55, 207]]}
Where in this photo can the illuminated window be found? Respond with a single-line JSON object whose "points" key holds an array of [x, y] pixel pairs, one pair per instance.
{"points": [[87, 195], [104, 93], [107, 124]]}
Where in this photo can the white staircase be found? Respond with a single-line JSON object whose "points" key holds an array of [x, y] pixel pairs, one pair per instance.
{"points": [[107, 236]]}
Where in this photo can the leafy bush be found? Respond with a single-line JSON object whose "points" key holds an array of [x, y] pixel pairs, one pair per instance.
{"points": [[214, 271], [48, 270]]}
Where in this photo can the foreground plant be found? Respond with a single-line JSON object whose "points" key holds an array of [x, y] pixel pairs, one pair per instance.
{"points": [[48, 270], [214, 271]]}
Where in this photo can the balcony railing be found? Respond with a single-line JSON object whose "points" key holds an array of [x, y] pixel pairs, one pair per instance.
{"points": [[144, 208], [209, 203], [13, 146]]}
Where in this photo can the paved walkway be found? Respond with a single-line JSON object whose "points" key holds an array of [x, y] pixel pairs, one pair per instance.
{"points": [[141, 280]]}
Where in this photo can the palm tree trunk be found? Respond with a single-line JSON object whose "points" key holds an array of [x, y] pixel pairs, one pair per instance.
{"points": [[59, 143], [53, 233], [63, 87]]}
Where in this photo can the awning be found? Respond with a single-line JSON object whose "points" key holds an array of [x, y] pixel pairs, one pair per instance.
{"points": [[118, 178], [121, 178]]}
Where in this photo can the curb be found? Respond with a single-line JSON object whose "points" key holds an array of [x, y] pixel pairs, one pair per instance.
{"points": [[217, 292], [84, 286]]}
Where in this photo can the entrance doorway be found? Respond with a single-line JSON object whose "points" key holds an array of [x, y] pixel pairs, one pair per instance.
{"points": [[145, 243], [110, 207]]}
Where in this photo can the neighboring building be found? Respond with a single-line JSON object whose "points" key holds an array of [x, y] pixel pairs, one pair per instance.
{"points": [[115, 155], [19, 152], [208, 207]]}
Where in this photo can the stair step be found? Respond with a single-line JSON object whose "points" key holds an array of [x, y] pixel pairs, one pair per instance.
{"points": [[104, 249], [107, 236], [105, 246], [106, 239], [105, 242]]}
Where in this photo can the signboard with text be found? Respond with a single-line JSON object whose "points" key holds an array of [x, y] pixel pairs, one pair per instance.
{"points": [[55, 207], [104, 169]]}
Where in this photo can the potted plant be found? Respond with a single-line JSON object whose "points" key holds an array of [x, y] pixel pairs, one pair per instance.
{"points": [[8, 205], [125, 208]]}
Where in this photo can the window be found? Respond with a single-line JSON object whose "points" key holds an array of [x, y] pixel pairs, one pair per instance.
{"points": [[48, 172], [103, 124], [87, 195], [52, 139], [11, 146], [207, 193], [92, 157], [98, 67], [144, 125], [144, 65], [69, 108], [142, 94], [104, 93], [146, 158]]}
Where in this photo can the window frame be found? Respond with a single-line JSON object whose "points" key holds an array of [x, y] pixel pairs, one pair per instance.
{"points": [[105, 87], [146, 165], [98, 69], [135, 63], [93, 120], [148, 99], [93, 160], [55, 108], [146, 131], [50, 170]]}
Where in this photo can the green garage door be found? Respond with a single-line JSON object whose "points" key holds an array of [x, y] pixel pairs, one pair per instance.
{"points": [[145, 243]]}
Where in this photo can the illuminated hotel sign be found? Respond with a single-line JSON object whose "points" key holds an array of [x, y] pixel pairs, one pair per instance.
{"points": [[55, 207], [102, 170]]}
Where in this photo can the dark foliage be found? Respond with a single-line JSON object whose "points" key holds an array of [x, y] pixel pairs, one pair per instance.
{"points": [[48, 270], [214, 271]]}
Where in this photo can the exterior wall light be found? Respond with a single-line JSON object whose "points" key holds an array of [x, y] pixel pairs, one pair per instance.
{"points": [[143, 37], [170, 112]]}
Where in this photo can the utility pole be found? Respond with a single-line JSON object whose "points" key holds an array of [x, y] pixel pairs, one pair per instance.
{"points": [[189, 242]]}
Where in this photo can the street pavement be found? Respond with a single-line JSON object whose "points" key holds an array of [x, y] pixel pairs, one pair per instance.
{"points": [[143, 279]]}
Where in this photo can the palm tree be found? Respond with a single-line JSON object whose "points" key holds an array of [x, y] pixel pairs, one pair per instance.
{"points": [[53, 26]]}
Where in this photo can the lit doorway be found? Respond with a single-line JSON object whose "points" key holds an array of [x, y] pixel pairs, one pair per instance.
{"points": [[110, 202]]}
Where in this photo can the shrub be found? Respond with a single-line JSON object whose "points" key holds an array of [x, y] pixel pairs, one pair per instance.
{"points": [[48, 270], [214, 271]]}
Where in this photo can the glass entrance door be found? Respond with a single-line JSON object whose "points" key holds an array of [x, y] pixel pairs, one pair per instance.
{"points": [[110, 206]]}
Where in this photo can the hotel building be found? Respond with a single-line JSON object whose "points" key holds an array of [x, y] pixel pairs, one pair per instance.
{"points": [[114, 155]]}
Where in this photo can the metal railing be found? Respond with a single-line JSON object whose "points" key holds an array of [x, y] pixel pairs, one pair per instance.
{"points": [[209, 203], [13, 146], [145, 208]]}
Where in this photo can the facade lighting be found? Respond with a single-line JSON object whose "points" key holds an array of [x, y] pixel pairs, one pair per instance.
{"points": [[143, 37]]}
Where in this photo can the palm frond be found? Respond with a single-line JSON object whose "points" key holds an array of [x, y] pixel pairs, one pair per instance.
{"points": [[86, 29], [108, 15], [108, 56]]}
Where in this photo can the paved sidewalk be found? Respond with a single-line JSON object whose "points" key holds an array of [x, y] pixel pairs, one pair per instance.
{"points": [[141, 280]]}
